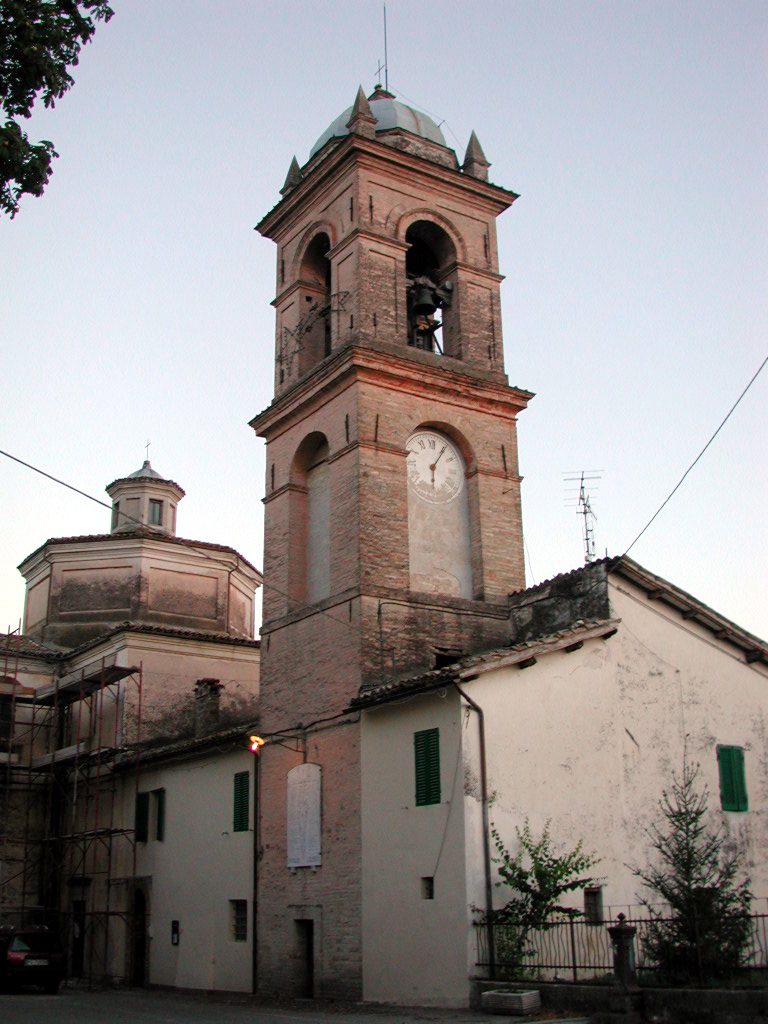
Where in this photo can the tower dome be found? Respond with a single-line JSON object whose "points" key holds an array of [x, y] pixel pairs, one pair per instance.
{"points": [[389, 113]]}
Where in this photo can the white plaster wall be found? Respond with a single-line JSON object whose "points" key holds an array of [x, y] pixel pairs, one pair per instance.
{"points": [[586, 740], [590, 739], [171, 667], [414, 950], [170, 671], [194, 873]]}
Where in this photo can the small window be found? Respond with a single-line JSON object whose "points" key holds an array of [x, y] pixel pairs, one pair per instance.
{"points": [[427, 760], [155, 512], [593, 904], [733, 780], [428, 888], [141, 819], [240, 816], [238, 920], [446, 656], [115, 514], [158, 810]]}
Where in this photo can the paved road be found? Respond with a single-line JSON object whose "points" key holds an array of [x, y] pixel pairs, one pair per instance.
{"points": [[134, 1006]]}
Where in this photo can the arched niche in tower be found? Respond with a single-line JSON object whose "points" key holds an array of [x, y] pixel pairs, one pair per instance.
{"points": [[430, 264], [314, 315], [439, 519], [309, 522]]}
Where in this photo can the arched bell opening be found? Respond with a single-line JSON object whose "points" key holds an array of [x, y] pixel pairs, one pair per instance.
{"points": [[314, 329], [429, 269]]}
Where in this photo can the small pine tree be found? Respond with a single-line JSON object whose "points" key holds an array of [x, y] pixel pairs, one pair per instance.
{"points": [[707, 929]]}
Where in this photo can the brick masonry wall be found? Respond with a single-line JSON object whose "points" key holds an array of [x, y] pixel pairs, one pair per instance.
{"points": [[365, 206], [366, 399], [328, 895]]}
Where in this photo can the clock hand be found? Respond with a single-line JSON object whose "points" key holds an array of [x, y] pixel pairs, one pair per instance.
{"points": [[434, 464]]}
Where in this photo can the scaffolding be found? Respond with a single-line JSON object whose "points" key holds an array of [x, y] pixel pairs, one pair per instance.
{"points": [[67, 850]]}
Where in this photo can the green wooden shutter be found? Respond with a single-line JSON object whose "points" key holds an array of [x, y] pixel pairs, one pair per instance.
{"points": [[240, 820], [733, 781], [141, 818], [426, 746], [160, 819]]}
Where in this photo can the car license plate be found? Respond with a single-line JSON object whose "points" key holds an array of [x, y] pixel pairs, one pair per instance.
{"points": [[36, 963]]}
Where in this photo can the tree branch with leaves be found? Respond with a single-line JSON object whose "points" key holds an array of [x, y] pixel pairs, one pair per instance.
{"points": [[539, 877], [39, 41]]}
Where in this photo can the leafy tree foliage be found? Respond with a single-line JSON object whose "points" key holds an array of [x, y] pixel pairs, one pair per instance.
{"points": [[539, 877], [707, 930], [39, 41]]}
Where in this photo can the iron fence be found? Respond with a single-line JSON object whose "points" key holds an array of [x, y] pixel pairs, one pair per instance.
{"points": [[573, 949]]}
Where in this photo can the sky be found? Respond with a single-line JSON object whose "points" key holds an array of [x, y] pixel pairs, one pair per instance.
{"points": [[135, 294]]}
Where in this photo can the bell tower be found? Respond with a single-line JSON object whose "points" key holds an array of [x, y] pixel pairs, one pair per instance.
{"points": [[393, 530]]}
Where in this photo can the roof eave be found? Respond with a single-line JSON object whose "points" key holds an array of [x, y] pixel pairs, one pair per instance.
{"points": [[332, 161], [657, 588], [471, 668]]}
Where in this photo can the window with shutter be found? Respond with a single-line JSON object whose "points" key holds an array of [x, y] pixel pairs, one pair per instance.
{"points": [[141, 818], [240, 817], [159, 798], [733, 780], [426, 745]]}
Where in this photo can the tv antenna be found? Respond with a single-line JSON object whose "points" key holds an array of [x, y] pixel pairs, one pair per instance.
{"points": [[582, 500]]}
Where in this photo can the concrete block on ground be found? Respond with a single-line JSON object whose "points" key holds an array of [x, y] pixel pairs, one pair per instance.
{"points": [[512, 1003]]}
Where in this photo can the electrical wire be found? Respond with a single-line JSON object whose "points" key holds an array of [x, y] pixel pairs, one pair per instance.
{"points": [[709, 442], [432, 114], [124, 515]]}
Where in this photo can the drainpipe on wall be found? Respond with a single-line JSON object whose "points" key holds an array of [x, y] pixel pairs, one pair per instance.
{"points": [[486, 830], [255, 902]]}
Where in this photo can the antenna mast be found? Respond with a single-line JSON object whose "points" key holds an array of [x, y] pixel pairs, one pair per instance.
{"points": [[584, 509]]}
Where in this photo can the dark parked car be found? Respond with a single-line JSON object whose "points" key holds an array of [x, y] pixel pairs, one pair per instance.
{"points": [[30, 956]]}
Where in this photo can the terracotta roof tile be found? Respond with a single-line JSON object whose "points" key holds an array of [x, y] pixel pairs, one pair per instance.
{"points": [[170, 631], [462, 669], [12, 644]]}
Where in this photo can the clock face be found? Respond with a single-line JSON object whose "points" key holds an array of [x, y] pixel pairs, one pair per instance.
{"points": [[435, 467]]}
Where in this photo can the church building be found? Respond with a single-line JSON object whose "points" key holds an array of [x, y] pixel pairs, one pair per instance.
{"points": [[125, 819], [311, 813]]}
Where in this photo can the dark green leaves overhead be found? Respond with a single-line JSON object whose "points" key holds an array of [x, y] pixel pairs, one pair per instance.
{"points": [[39, 41]]}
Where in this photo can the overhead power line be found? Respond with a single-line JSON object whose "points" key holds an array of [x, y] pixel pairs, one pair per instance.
{"points": [[125, 515], [709, 442]]}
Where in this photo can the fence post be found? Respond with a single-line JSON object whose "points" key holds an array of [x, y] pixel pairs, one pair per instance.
{"points": [[623, 939], [572, 930]]}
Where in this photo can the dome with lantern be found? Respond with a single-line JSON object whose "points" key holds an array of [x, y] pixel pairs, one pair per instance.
{"points": [[389, 114]]}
